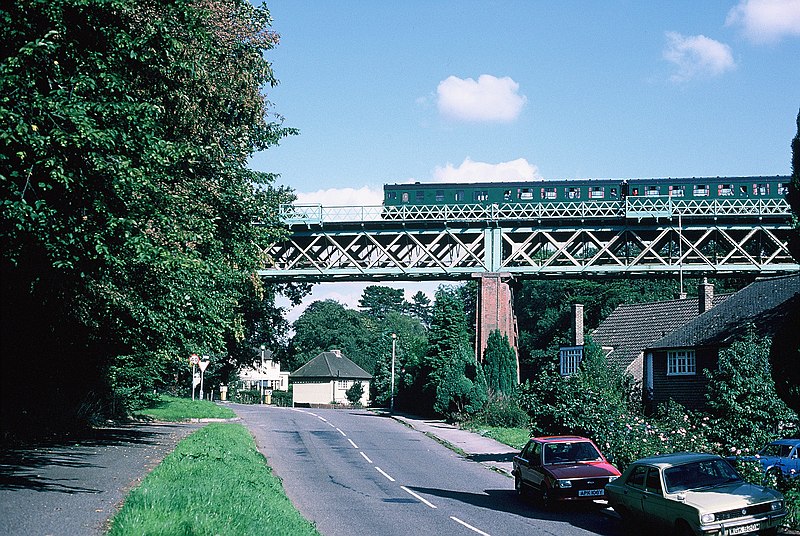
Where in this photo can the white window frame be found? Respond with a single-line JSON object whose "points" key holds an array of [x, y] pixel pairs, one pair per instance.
{"points": [[596, 192], [681, 362], [569, 359], [701, 190], [549, 193], [652, 191], [342, 384]]}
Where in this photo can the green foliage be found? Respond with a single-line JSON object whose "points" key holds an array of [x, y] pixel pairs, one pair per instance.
{"points": [[354, 393], [421, 308], [215, 482], [127, 221], [174, 409], [503, 412], [500, 364], [410, 346], [378, 301], [742, 401], [794, 193]]}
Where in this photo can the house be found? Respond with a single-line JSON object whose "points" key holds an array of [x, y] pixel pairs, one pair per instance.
{"points": [[264, 373], [325, 380], [631, 328], [673, 364]]}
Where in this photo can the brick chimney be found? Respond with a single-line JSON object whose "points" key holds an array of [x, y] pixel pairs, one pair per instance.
{"points": [[577, 324], [705, 294]]}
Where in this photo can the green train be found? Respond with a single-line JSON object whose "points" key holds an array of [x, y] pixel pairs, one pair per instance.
{"points": [[580, 191]]}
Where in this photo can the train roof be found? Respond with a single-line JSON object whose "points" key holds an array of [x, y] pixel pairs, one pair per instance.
{"points": [[556, 182]]}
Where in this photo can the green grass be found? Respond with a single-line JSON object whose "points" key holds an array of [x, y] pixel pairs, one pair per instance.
{"points": [[215, 482], [513, 437], [173, 409]]}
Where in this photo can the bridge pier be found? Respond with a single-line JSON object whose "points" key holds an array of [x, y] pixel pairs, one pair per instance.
{"points": [[495, 310]]}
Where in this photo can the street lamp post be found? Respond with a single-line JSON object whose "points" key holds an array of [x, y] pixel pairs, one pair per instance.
{"points": [[394, 342]]}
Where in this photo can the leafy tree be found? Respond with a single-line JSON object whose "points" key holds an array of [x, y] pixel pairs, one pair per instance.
{"points": [[127, 229], [354, 393], [794, 193], [377, 301], [420, 308], [500, 364], [742, 402], [329, 325], [410, 346]]}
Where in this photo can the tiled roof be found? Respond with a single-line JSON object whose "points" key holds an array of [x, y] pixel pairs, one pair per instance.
{"points": [[331, 365], [631, 328], [762, 303]]}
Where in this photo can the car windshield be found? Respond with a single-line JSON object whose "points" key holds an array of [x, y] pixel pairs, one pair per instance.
{"points": [[575, 451], [774, 449], [697, 475]]}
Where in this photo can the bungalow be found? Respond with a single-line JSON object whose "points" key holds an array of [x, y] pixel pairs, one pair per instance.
{"points": [[673, 364], [326, 379]]}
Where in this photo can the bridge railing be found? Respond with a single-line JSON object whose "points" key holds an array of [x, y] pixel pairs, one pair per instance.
{"points": [[641, 207]]}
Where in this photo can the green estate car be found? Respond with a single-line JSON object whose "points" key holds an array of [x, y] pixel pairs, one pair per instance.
{"points": [[693, 494]]}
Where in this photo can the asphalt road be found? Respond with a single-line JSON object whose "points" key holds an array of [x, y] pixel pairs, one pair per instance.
{"points": [[355, 472], [73, 488]]}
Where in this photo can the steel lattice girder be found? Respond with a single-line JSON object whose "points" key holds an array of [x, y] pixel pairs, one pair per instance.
{"points": [[362, 254]]}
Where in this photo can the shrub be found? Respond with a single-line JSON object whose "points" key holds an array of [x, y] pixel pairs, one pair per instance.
{"points": [[505, 413]]}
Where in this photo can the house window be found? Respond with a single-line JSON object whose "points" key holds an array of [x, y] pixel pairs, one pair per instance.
{"points": [[570, 359], [342, 384], [681, 363]]}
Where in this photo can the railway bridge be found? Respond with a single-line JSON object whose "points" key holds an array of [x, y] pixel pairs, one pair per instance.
{"points": [[635, 237]]}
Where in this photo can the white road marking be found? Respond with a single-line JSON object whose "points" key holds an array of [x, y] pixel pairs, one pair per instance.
{"points": [[365, 457], [340, 431], [422, 500], [470, 527], [323, 419], [351, 442], [381, 471]]}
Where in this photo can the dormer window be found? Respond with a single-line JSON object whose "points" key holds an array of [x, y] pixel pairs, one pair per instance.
{"points": [[681, 363]]}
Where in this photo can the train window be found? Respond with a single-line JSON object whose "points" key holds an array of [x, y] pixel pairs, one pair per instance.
{"points": [[459, 195], [439, 195], [761, 189], [507, 195], [613, 192], [420, 196], [596, 192], [525, 193], [676, 191], [572, 192], [480, 195], [652, 191], [700, 190], [743, 189], [405, 197], [391, 196], [634, 192], [548, 193], [783, 188], [724, 190]]}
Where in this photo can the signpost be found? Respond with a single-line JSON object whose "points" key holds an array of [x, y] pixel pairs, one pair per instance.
{"points": [[203, 365], [193, 360]]}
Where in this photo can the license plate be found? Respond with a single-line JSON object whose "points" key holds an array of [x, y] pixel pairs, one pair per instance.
{"points": [[590, 493], [744, 529]]}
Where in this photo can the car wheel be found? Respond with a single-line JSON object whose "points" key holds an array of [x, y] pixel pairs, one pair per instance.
{"points": [[519, 486], [543, 495], [683, 529]]}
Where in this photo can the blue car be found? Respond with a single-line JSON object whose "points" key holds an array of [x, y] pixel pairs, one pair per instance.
{"points": [[779, 457]]}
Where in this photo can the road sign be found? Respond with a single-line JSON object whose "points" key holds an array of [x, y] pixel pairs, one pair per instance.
{"points": [[194, 359], [203, 365]]}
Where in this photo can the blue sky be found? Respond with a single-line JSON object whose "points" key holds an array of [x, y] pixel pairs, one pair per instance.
{"points": [[465, 90]]}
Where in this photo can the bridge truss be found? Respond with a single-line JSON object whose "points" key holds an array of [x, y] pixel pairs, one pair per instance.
{"points": [[638, 237]]}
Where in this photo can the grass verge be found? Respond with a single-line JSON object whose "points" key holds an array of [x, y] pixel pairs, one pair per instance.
{"points": [[215, 482], [173, 409], [513, 437]]}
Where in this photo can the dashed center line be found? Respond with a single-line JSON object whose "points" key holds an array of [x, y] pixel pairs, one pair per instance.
{"points": [[340, 431], [470, 527], [419, 498], [381, 471], [365, 457], [351, 442]]}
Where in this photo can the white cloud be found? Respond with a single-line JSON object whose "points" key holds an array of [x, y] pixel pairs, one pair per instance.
{"points": [[766, 21], [471, 171], [348, 197], [697, 55], [488, 99]]}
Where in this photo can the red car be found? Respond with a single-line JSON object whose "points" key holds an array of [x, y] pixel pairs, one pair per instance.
{"points": [[562, 468]]}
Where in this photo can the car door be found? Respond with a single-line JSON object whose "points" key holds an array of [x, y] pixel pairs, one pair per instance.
{"points": [[793, 463], [633, 491], [527, 459], [655, 506]]}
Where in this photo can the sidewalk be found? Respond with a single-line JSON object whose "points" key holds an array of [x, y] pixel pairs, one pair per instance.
{"points": [[485, 450]]}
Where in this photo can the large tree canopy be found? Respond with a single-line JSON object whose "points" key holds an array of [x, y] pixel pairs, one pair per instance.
{"points": [[127, 225]]}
